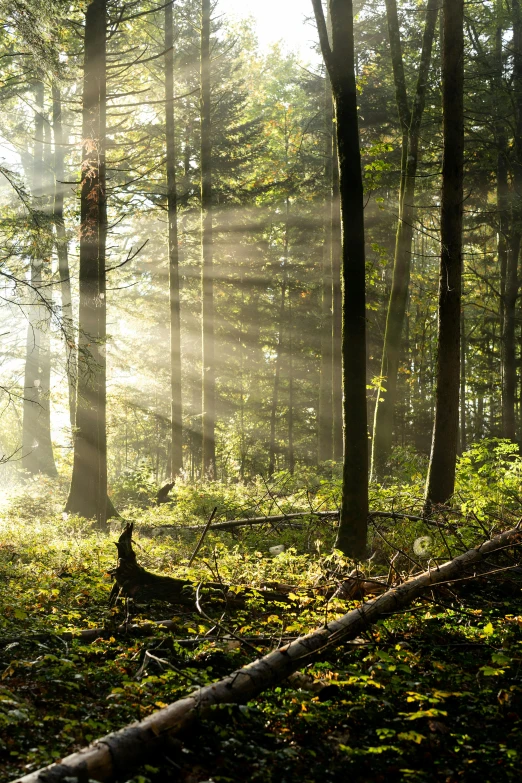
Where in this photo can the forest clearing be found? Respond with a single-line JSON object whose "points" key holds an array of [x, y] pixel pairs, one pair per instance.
{"points": [[260, 391]]}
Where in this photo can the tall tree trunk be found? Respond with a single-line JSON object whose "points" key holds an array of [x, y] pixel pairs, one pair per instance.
{"points": [[509, 370], [441, 472], [209, 371], [30, 444], [43, 434], [172, 211], [410, 122], [277, 379], [37, 453], [340, 62], [337, 309], [62, 252], [291, 450], [463, 418], [325, 418], [88, 492]]}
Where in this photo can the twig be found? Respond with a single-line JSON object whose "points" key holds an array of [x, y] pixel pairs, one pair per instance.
{"points": [[221, 627], [202, 537]]}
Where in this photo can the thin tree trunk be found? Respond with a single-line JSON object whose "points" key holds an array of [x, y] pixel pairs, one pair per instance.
{"points": [[174, 294], [277, 378], [31, 405], [509, 369], [441, 473], [62, 252], [463, 420], [340, 62], [410, 125], [46, 463], [325, 418], [291, 451], [337, 315], [209, 372], [88, 492]]}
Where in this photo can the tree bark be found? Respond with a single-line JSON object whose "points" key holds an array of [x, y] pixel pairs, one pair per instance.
{"points": [[174, 292], [463, 416], [88, 492], [208, 359], [46, 461], [511, 289], [325, 417], [340, 62], [337, 309], [441, 472], [62, 252], [291, 401], [37, 450], [30, 444], [123, 751], [277, 379], [410, 121]]}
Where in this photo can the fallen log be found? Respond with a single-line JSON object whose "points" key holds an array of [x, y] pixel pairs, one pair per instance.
{"points": [[126, 749], [233, 523]]}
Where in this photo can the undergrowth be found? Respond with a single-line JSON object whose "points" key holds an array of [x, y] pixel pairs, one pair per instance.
{"points": [[434, 693]]}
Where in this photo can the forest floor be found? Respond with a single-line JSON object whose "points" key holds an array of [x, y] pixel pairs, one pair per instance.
{"points": [[431, 694]]}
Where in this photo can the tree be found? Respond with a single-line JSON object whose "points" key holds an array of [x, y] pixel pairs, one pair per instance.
{"points": [[441, 472], [410, 118], [511, 249], [88, 491], [207, 273], [172, 212], [62, 252], [37, 450], [339, 57], [325, 415]]}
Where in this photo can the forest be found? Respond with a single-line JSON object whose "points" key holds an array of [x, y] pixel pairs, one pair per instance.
{"points": [[260, 391]]}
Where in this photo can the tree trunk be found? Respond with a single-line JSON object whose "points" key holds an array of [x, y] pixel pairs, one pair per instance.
{"points": [[37, 452], [172, 211], [30, 461], [337, 315], [88, 492], [325, 417], [46, 461], [463, 417], [277, 378], [291, 450], [441, 472], [62, 252], [410, 122], [340, 62], [209, 371], [509, 369], [121, 753]]}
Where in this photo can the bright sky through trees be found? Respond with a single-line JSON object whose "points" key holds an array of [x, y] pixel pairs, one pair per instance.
{"points": [[276, 20]]}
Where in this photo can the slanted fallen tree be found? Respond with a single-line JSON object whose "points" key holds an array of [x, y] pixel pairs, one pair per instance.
{"points": [[124, 750]]}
